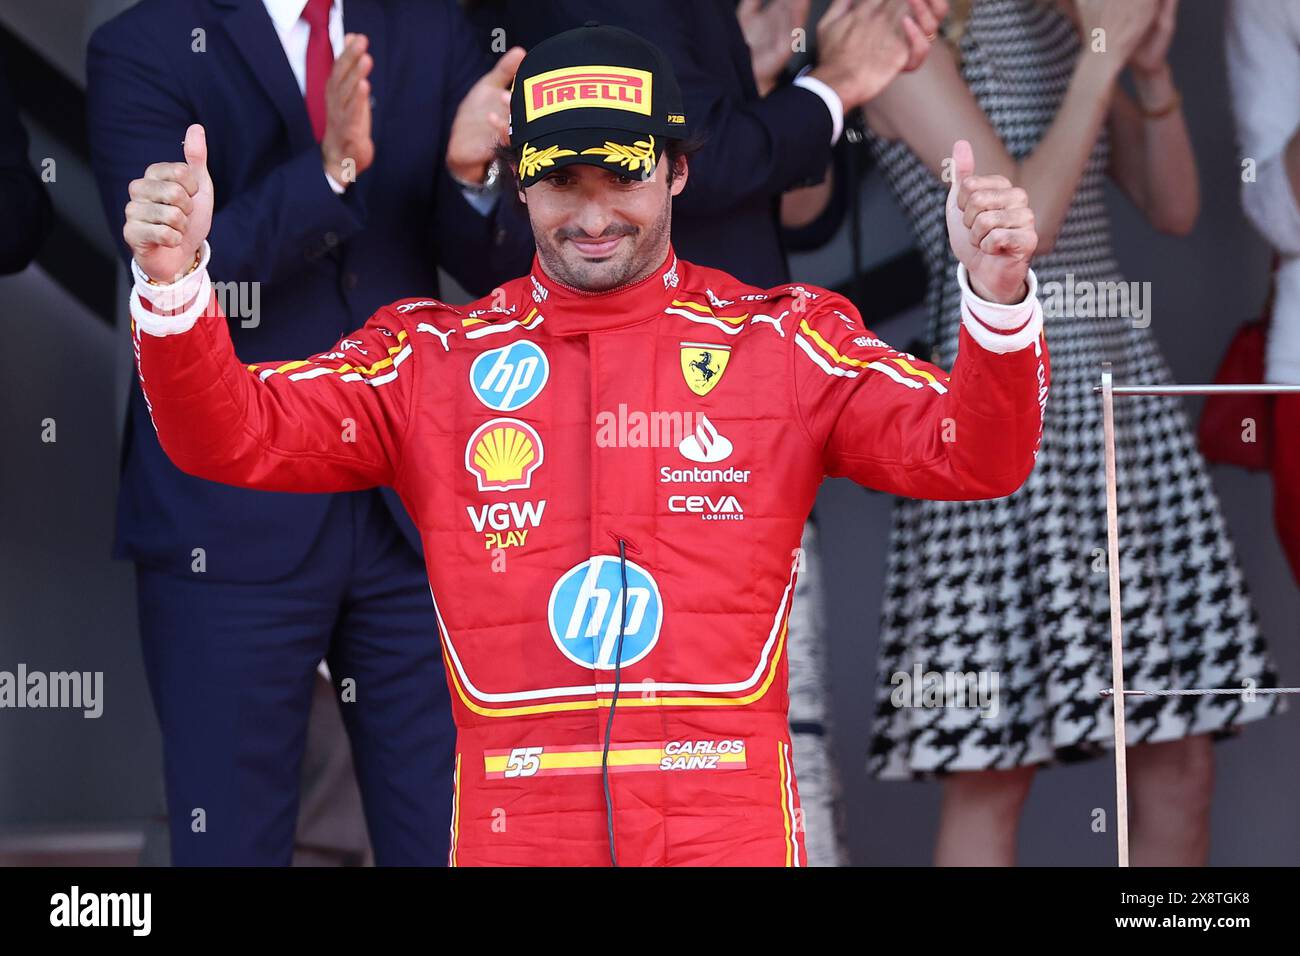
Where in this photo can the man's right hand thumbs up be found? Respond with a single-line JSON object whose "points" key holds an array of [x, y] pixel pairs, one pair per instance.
{"points": [[991, 229], [170, 212]]}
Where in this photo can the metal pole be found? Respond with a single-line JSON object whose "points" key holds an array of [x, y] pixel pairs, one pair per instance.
{"points": [[1203, 389], [1108, 390], [1116, 622]]}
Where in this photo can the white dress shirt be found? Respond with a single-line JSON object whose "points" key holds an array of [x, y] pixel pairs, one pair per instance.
{"points": [[834, 105], [1264, 74], [294, 32]]}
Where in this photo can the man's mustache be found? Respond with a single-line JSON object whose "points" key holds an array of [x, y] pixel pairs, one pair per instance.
{"points": [[609, 233]]}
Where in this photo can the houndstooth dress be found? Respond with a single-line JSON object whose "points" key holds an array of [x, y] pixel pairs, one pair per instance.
{"points": [[1017, 586]]}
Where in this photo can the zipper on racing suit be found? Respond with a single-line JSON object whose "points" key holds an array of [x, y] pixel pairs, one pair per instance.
{"points": [[618, 683]]}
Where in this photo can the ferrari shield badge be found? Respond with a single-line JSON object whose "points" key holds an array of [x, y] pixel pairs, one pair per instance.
{"points": [[703, 365]]}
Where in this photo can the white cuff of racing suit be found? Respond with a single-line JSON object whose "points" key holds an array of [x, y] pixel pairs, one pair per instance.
{"points": [[828, 96], [175, 307], [997, 327]]}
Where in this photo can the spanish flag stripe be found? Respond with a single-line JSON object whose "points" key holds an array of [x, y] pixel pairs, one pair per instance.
{"points": [[907, 366], [645, 755], [290, 366], [361, 369], [694, 306], [382, 363], [785, 808], [455, 812], [574, 748], [706, 310], [829, 349]]}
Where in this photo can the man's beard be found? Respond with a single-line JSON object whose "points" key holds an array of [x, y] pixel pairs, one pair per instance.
{"points": [[648, 248]]}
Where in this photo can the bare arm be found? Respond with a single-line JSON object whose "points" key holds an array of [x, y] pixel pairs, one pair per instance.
{"points": [[894, 33], [930, 107], [801, 206], [1151, 152]]}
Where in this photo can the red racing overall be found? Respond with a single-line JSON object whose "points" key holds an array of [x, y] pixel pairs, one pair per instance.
{"points": [[686, 422]]}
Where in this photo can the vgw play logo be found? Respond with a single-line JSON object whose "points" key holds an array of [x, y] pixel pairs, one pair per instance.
{"points": [[587, 603], [508, 378]]}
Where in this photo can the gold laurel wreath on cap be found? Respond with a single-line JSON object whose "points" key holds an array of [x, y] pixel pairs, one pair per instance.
{"points": [[534, 159], [640, 153]]}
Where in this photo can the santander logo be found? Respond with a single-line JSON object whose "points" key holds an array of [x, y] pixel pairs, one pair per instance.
{"points": [[705, 444]]}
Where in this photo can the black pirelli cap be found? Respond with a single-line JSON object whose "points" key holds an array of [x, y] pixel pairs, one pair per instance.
{"points": [[598, 95]]}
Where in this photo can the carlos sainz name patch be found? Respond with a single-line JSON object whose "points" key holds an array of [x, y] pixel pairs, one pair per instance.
{"points": [[672, 755]]}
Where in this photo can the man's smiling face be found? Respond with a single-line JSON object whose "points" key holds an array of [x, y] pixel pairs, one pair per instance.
{"points": [[598, 228]]}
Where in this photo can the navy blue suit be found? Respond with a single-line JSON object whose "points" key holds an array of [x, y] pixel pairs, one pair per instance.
{"points": [[323, 263]]}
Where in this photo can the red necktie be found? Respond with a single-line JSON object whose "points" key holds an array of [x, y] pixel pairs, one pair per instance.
{"points": [[320, 60]]}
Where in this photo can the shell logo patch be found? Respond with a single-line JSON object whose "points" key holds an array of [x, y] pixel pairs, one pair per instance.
{"points": [[503, 453], [703, 365], [582, 87]]}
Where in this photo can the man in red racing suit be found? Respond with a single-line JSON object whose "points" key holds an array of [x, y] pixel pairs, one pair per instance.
{"points": [[611, 488]]}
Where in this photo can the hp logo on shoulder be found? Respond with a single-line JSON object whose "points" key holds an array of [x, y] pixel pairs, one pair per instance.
{"points": [[508, 378], [586, 605]]}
